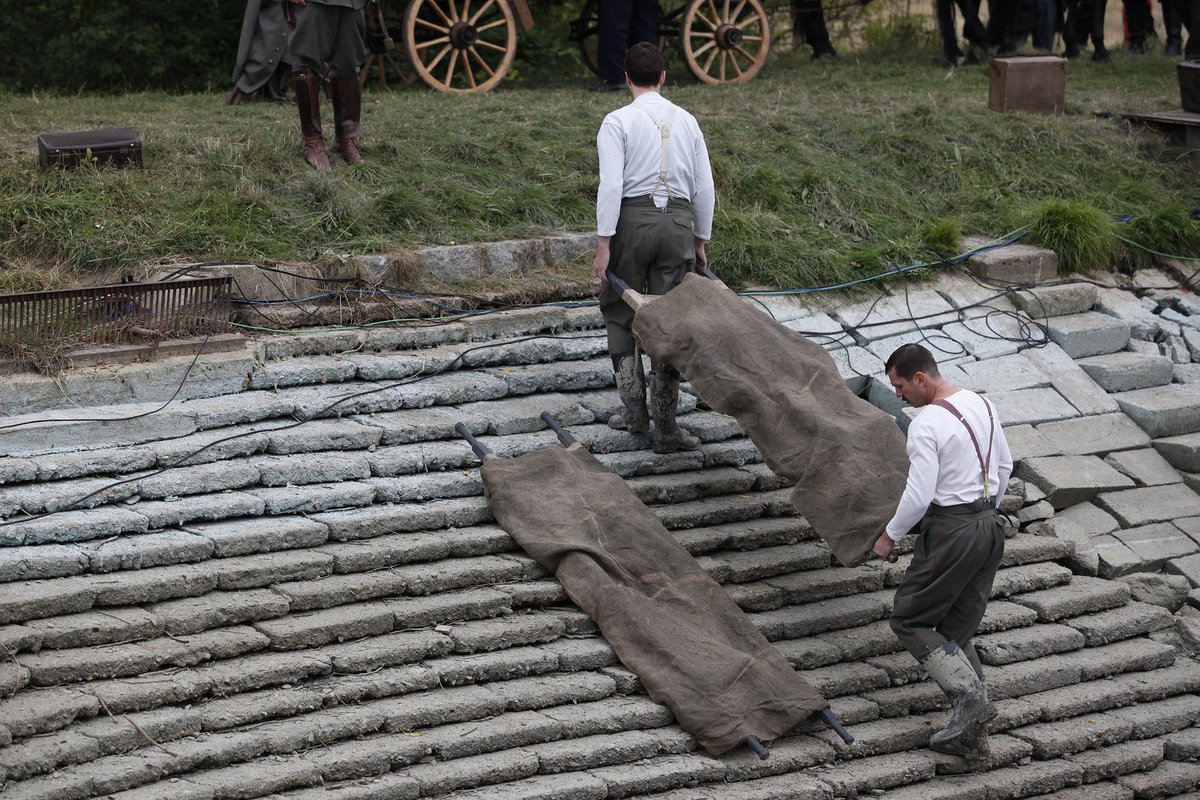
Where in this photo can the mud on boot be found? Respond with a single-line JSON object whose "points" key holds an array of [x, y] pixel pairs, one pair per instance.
{"points": [[666, 435], [631, 389], [966, 733]]}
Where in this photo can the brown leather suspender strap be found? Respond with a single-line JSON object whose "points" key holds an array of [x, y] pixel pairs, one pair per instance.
{"points": [[983, 463]]}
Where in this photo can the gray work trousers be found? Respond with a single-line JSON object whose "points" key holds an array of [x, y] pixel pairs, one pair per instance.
{"points": [[652, 250], [944, 594]]}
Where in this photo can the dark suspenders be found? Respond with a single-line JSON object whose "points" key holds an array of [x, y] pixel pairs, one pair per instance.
{"points": [[983, 463]]}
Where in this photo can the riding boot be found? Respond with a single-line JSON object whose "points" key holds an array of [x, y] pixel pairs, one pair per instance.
{"points": [[631, 389], [966, 733], [666, 436], [346, 95], [308, 100]]}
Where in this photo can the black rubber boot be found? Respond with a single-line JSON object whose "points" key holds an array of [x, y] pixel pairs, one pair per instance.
{"points": [[966, 733], [631, 389], [666, 435]]}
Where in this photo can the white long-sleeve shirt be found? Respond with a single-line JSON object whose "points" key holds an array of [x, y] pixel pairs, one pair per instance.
{"points": [[943, 467], [630, 147]]}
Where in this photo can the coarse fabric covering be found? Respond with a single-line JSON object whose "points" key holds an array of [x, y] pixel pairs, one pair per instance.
{"points": [[846, 457], [669, 622]]}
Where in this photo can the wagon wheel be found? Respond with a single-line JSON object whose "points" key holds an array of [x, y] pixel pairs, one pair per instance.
{"points": [[460, 45], [586, 30], [725, 41]]}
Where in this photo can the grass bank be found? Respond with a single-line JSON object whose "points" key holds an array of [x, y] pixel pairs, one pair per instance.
{"points": [[825, 171]]}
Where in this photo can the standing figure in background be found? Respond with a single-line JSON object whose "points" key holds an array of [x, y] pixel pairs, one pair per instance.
{"points": [[654, 212], [808, 25], [327, 39], [1139, 23], [623, 23], [1172, 14], [1085, 20], [262, 57], [958, 469], [973, 30]]}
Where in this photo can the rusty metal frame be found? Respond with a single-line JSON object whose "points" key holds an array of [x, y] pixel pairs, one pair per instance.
{"points": [[116, 312]]}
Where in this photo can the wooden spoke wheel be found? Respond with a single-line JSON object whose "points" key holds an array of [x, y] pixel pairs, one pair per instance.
{"points": [[460, 45], [725, 41], [587, 31]]}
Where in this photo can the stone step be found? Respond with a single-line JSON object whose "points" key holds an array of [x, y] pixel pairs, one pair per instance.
{"points": [[1021, 644], [1167, 779], [1123, 622], [1119, 759], [1075, 734], [1094, 435], [1135, 507], [1068, 480], [1146, 467], [1181, 452], [1163, 411], [1081, 596], [1125, 371], [1017, 581], [1088, 334]]}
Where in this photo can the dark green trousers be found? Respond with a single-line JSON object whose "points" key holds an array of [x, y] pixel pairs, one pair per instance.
{"points": [[944, 594], [328, 35], [651, 251]]}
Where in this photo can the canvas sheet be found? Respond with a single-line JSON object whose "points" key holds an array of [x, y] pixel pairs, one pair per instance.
{"points": [[847, 457], [694, 650]]}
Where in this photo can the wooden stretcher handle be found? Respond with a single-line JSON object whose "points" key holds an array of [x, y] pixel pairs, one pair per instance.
{"points": [[482, 451], [564, 435], [832, 721]]}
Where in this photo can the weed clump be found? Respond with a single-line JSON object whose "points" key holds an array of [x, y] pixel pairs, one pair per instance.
{"points": [[1083, 236], [1167, 230]]}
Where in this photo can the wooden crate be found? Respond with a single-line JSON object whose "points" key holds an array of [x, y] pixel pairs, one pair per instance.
{"points": [[1037, 84], [1189, 85]]}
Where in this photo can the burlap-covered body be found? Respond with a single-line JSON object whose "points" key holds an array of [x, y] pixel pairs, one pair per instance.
{"points": [[846, 457], [668, 621]]}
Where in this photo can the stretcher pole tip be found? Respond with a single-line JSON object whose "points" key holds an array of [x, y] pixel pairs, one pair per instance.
{"points": [[754, 744], [564, 435], [634, 300], [702, 269], [832, 721], [481, 450]]}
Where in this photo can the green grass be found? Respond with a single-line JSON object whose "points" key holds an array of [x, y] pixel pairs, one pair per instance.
{"points": [[824, 171]]}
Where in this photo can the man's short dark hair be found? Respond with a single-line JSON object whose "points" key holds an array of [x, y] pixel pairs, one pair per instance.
{"points": [[909, 359], [644, 64]]}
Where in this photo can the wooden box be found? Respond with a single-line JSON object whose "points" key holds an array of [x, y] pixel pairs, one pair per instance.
{"points": [[1037, 84], [1189, 85], [115, 146]]}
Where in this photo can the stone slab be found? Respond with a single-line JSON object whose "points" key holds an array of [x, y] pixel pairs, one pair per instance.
{"points": [[1068, 480], [1125, 371], [1088, 334], [1137, 507], [1163, 411], [1096, 435]]}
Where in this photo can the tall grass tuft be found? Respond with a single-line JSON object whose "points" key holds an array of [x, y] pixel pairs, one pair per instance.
{"points": [[1083, 236], [1167, 230]]}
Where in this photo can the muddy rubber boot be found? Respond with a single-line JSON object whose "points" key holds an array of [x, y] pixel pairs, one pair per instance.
{"points": [[308, 100], [631, 388], [665, 435], [966, 733], [346, 96]]}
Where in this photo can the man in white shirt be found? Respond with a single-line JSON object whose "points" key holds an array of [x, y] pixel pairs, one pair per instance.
{"points": [[654, 212], [959, 465]]}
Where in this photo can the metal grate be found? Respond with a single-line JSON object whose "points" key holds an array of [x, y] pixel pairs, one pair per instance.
{"points": [[117, 312]]}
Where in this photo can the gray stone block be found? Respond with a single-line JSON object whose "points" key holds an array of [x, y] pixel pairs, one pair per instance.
{"points": [[1186, 373], [1056, 301], [169, 513], [1088, 334], [197, 479], [1165, 410], [302, 372], [1136, 507], [1158, 717], [102, 426], [1095, 435], [23, 601], [1182, 745], [1071, 381], [1134, 619], [1068, 480], [1013, 263], [146, 550], [891, 316], [1119, 759], [323, 435], [1125, 371], [92, 628], [213, 445], [217, 609], [312, 629], [1031, 406], [1146, 467], [315, 497], [1167, 591], [42, 561], [1167, 779], [306, 468], [74, 526], [384, 367], [1054, 739], [422, 424], [1028, 578], [1081, 596], [1022, 644], [258, 535], [1181, 452], [1123, 305], [228, 410]]}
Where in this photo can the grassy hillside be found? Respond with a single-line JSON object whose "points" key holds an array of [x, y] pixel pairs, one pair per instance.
{"points": [[824, 171]]}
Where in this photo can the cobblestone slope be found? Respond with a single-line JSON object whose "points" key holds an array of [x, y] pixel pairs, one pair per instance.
{"points": [[296, 589]]}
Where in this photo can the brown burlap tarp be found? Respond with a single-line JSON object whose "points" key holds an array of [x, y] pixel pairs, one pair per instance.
{"points": [[846, 457], [668, 621]]}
